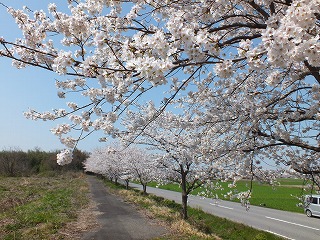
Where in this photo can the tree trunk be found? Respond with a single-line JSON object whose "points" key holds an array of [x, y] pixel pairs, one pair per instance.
{"points": [[127, 184], [184, 196], [144, 186], [184, 206]]}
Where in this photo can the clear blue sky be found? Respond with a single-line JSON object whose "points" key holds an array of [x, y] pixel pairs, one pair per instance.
{"points": [[34, 88], [28, 88]]}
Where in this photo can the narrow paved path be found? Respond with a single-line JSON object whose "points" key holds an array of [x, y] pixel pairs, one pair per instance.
{"points": [[119, 220]]}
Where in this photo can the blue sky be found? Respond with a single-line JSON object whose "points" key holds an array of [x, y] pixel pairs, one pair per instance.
{"points": [[28, 88], [34, 88]]}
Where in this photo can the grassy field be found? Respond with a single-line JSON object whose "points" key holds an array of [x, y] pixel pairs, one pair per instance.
{"points": [[41, 207], [199, 225], [282, 197]]}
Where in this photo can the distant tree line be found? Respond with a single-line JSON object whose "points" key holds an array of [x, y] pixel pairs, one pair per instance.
{"points": [[15, 162]]}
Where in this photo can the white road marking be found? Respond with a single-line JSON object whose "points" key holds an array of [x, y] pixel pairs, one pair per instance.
{"points": [[279, 235], [292, 223], [213, 204]]}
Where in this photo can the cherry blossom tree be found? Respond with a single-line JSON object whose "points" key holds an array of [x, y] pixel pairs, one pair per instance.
{"points": [[126, 163], [107, 162], [252, 63], [187, 155], [141, 166]]}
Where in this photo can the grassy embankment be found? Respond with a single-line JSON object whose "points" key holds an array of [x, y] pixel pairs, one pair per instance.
{"points": [[280, 197], [199, 225], [40, 207], [43, 208]]}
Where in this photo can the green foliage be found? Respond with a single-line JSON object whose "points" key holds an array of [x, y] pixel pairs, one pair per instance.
{"points": [[12, 163], [113, 185], [37, 207], [261, 236], [52, 207], [15, 163], [279, 197], [2, 188]]}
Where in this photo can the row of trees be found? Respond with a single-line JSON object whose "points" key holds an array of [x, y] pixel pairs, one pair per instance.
{"points": [[15, 162], [241, 79], [119, 163], [169, 163]]}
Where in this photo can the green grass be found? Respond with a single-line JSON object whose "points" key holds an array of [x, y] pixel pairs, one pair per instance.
{"points": [[225, 228], [204, 225], [291, 181], [280, 197], [38, 207]]}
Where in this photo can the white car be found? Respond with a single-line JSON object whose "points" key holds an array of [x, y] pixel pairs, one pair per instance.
{"points": [[312, 205]]}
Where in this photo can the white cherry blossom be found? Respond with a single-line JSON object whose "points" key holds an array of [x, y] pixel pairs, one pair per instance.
{"points": [[246, 71]]}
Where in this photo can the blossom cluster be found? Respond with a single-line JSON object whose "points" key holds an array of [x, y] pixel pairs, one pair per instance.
{"points": [[119, 162], [64, 157], [243, 74]]}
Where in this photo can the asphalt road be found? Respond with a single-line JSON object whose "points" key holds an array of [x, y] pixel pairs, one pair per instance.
{"points": [[289, 225]]}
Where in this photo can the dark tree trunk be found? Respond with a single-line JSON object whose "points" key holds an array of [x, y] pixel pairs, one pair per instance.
{"points": [[144, 186], [127, 184], [184, 206], [184, 196]]}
